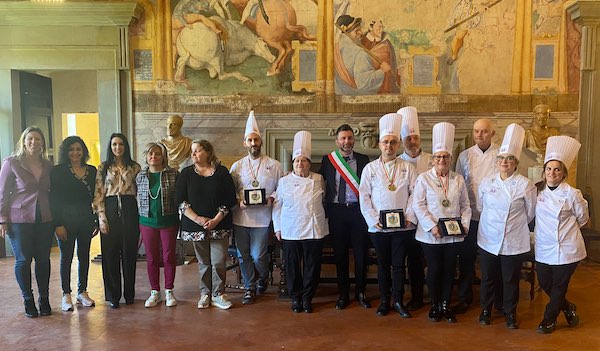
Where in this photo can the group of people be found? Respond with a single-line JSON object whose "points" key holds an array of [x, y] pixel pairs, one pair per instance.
{"points": [[412, 208]]}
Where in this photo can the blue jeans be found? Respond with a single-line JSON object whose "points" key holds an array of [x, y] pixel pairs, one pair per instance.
{"points": [[252, 249], [31, 241]]}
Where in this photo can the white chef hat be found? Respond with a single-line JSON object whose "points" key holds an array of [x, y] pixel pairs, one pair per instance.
{"points": [[512, 144], [390, 124], [302, 144], [562, 148], [410, 121], [443, 137], [251, 125]]}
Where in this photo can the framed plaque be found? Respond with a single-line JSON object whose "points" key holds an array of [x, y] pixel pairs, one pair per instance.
{"points": [[391, 219], [254, 197], [451, 227]]}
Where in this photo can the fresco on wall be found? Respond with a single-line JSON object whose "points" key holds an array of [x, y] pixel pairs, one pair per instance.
{"points": [[238, 46]]}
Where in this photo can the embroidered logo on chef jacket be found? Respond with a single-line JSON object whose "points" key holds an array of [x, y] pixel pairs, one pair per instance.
{"points": [[541, 198]]}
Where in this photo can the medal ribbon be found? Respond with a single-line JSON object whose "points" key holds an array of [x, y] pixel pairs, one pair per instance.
{"points": [[254, 175], [393, 177], [444, 188]]}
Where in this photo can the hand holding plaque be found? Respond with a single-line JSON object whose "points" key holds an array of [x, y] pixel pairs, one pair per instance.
{"points": [[451, 227], [392, 219], [255, 197]]}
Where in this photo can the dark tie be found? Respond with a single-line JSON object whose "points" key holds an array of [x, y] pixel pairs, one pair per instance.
{"points": [[342, 187]]}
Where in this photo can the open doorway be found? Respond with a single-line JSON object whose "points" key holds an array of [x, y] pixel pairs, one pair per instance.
{"points": [[86, 126]]}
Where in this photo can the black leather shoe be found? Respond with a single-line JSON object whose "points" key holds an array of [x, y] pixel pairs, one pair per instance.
{"points": [[485, 318], [571, 315], [362, 300], [448, 313], [30, 309], [341, 303], [384, 308], [414, 305], [296, 306], [435, 314], [307, 306], [546, 328], [261, 288], [45, 309], [402, 311], [461, 307], [114, 304], [511, 321]]}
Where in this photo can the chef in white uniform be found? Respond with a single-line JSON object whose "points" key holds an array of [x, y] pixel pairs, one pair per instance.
{"points": [[474, 164], [507, 205], [423, 161], [251, 222], [560, 212], [387, 184], [440, 193], [299, 221]]}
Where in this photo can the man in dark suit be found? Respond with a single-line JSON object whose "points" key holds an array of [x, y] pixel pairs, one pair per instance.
{"points": [[341, 170]]}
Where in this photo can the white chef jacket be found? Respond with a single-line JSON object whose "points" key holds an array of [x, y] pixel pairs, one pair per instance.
{"points": [[427, 205], [422, 163], [558, 216], [506, 207], [298, 211], [375, 196], [257, 216], [474, 165]]}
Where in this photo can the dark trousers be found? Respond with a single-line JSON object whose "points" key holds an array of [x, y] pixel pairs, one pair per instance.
{"points": [[391, 249], [79, 230], [500, 272], [119, 247], [302, 267], [441, 265], [416, 267], [31, 241], [467, 253], [349, 230], [554, 280]]}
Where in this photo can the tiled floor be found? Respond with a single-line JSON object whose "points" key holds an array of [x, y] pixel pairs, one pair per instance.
{"points": [[270, 325]]}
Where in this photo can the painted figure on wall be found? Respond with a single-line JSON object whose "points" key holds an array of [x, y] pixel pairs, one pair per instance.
{"points": [[465, 16], [355, 67], [378, 41]]}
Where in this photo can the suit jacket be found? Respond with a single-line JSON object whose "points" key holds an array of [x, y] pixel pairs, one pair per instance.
{"points": [[328, 172]]}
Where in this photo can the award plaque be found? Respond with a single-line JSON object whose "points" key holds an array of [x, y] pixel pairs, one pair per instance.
{"points": [[451, 227], [391, 219], [254, 197]]}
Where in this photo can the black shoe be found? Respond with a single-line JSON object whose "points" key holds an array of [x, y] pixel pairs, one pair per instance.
{"points": [[296, 306], [448, 313], [261, 288], [30, 309], [546, 328], [307, 306], [414, 305], [571, 315], [45, 309], [384, 308], [485, 318], [511, 321], [402, 311], [114, 304], [362, 300], [342, 303], [461, 307], [435, 314], [249, 297]]}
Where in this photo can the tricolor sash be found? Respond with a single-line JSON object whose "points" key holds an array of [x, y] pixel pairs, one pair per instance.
{"points": [[345, 171]]}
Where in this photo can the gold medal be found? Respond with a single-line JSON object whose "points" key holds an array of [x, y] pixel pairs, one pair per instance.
{"points": [[446, 203], [391, 187], [255, 183]]}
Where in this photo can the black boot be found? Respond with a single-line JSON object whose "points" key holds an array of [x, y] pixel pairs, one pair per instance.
{"points": [[45, 309], [511, 321], [447, 312], [384, 306], [30, 309], [363, 300], [485, 318], [434, 312], [571, 315], [402, 310]]}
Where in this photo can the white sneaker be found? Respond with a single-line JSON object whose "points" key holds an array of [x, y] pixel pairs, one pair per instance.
{"points": [[85, 299], [221, 302], [154, 299], [67, 304], [204, 301], [170, 298]]}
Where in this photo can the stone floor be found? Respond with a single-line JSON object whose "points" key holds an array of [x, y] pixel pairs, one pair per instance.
{"points": [[270, 325]]}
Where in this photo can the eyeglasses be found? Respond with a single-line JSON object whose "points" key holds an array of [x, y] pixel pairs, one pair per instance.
{"points": [[440, 157], [387, 142], [507, 158]]}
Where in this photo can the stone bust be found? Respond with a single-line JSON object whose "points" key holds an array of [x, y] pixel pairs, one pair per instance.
{"points": [[539, 132], [179, 147]]}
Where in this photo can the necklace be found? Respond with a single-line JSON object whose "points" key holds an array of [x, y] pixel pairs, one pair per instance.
{"points": [[445, 201], [85, 174], [200, 173], [255, 182], [391, 186], [157, 193]]}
